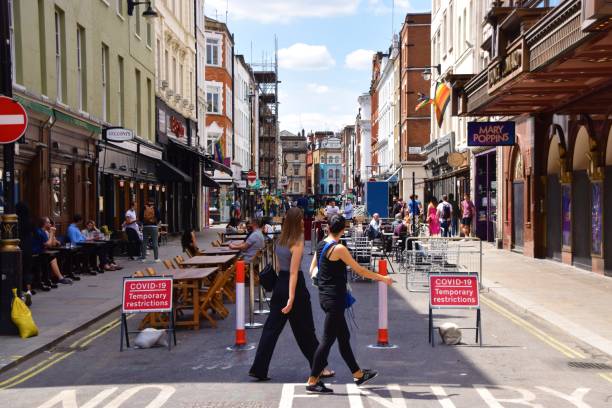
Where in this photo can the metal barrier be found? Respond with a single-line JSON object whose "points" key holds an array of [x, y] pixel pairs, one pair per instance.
{"points": [[429, 255]]}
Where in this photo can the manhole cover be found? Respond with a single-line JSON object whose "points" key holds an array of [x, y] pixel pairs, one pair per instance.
{"points": [[587, 365]]}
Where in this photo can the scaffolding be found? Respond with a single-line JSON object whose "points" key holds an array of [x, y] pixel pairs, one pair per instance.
{"points": [[266, 78]]}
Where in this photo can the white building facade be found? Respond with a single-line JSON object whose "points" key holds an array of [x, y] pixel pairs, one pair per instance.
{"points": [[244, 83], [364, 125]]}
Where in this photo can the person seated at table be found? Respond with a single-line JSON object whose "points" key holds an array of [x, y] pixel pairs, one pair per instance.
{"points": [[90, 231], [401, 229], [267, 228], [132, 230], [189, 242], [43, 239], [254, 242], [75, 236], [397, 221], [232, 226], [374, 229]]}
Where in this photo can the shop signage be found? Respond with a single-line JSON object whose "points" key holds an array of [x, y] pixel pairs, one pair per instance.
{"points": [[414, 149], [177, 127], [147, 295], [453, 290], [118, 135], [491, 133], [162, 121], [505, 68], [13, 120]]}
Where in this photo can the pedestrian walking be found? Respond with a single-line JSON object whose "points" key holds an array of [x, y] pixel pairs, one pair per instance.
{"points": [[444, 212], [432, 218], [332, 259], [290, 300], [150, 230], [468, 211], [349, 210], [456, 213]]}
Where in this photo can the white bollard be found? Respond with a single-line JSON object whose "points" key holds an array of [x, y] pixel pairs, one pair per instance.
{"points": [[383, 331], [241, 340]]}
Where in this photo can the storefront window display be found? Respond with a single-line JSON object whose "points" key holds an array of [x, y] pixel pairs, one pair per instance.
{"points": [[59, 191]]}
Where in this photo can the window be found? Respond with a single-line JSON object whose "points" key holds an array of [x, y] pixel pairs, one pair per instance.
{"points": [[42, 39], [105, 84], [138, 104], [149, 34], [296, 186], [137, 18], [331, 189], [296, 156], [330, 174], [166, 66], [181, 84], [149, 129], [337, 173], [228, 102], [191, 87], [174, 75], [81, 71], [337, 188], [60, 58], [158, 72], [59, 191], [296, 170], [119, 4], [322, 173], [323, 159], [12, 41], [213, 100], [212, 51], [121, 93], [322, 188]]}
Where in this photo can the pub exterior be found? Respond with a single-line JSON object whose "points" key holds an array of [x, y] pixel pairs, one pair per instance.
{"points": [[550, 73]]}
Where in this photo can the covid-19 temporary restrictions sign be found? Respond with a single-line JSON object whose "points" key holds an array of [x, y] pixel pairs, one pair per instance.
{"points": [[453, 291], [146, 295]]}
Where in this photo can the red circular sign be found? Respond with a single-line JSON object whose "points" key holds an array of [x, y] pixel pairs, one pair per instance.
{"points": [[251, 176], [13, 120]]}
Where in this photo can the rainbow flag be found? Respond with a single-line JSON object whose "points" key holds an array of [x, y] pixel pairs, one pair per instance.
{"points": [[423, 100], [441, 100], [218, 151]]}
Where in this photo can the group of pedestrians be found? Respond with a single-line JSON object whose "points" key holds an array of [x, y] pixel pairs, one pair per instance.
{"points": [[141, 230], [291, 302], [442, 216]]}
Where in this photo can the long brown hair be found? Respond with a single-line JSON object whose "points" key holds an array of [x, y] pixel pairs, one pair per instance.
{"points": [[293, 229]]}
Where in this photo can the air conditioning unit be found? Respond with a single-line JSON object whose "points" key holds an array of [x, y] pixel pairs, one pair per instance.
{"points": [[177, 97], [169, 93], [164, 84]]}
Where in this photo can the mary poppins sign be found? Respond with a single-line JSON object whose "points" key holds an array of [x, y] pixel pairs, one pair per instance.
{"points": [[491, 134]]}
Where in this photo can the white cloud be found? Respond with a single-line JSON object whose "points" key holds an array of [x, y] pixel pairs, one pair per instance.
{"points": [[283, 11], [359, 59], [305, 57], [380, 7], [315, 121], [317, 88]]}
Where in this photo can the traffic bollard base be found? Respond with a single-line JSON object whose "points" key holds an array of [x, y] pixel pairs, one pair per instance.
{"points": [[261, 312], [383, 346], [241, 347], [254, 325]]}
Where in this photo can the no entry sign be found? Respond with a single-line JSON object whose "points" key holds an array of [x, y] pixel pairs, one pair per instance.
{"points": [[13, 120], [146, 295], [453, 291]]}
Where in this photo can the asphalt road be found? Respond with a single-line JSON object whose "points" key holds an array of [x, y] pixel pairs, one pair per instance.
{"points": [[523, 362]]}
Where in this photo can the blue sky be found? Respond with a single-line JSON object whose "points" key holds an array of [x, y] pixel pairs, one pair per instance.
{"points": [[320, 85]]}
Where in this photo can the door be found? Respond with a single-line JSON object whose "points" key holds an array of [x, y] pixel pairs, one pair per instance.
{"points": [[553, 218], [581, 219], [518, 214], [607, 214]]}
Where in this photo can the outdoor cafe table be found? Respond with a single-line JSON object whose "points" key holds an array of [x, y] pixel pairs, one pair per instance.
{"points": [[191, 279], [207, 260], [234, 237], [218, 251]]}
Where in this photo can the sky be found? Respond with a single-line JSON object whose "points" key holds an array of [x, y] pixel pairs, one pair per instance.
{"points": [[325, 50]]}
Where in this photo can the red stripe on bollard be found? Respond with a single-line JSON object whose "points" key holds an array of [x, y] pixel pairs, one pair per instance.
{"points": [[239, 271], [382, 267], [383, 337], [241, 337]]}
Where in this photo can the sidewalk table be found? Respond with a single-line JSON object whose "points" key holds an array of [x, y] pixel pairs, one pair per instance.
{"points": [[218, 251], [234, 237], [191, 279], [202, 261]]}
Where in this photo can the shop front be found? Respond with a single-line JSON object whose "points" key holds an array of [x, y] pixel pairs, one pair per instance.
{"points": [[485, 194]]}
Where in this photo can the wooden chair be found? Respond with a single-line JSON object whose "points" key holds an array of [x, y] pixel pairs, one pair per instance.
{"points": [[151, 271], [221, 237], [211, 298], [168, 263], [189, 253], [178, 261], [216, 243], [138, 274]]}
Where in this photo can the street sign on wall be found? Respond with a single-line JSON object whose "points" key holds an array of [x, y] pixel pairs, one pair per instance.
{"points": [[491, 133], [13, 120], [453, 291], [118, 134], [147, 295]]}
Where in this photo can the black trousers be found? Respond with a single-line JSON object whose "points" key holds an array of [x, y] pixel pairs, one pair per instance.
{"points": [[335, 327], [300, 318]]}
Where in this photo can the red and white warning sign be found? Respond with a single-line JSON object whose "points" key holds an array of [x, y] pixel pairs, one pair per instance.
{"points": [[456, 291], [147, 295], [13, 120]]}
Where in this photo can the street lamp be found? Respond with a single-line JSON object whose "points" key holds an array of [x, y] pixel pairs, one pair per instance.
{"points": [[427, 71], [148, 14]]}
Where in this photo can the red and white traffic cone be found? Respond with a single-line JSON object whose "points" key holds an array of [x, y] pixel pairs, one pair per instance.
{"points": [[241, 339], [383, 331]]}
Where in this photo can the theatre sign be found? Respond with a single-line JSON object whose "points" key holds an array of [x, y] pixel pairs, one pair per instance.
{"points": [[491, 133]]}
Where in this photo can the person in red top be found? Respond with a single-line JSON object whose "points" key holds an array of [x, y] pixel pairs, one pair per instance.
{"points": [[468, 210]]}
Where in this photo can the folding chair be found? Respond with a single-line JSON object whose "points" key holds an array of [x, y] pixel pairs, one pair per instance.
{"points": [[211, 295]]}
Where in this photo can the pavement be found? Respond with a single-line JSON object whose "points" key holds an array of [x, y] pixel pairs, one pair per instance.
{"points": [[69, 308], [577, 301], [524, 362]]}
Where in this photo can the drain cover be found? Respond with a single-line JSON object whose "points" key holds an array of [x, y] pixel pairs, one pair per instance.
{"points": [[587, 365]]}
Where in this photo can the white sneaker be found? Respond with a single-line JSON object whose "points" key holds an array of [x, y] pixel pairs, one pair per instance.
{"points": [[157, 260]]}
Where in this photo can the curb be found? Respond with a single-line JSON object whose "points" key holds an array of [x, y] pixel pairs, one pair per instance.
{"points": [[59, 339], [572, 329]]}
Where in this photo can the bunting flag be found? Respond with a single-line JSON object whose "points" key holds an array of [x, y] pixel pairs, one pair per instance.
{"points": [[441, 100], [423, 100]]}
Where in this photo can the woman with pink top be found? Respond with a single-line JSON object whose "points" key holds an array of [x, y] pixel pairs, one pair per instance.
{"points": [[468, 211], [432, 218]]}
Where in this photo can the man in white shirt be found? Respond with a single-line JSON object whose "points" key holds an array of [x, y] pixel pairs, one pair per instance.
{"points": [[444, 211], [374, 227], [332, 209], [348, 210]]}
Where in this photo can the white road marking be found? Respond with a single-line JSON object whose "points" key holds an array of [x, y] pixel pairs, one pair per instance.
{"points": [[442, 397], [493, 402], [68, 398], [12, 119], [354, 396], [575, 398]]}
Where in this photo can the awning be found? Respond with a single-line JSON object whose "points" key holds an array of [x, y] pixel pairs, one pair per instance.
{"points": [[207, 181], [218, 166], [167, 172]]}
